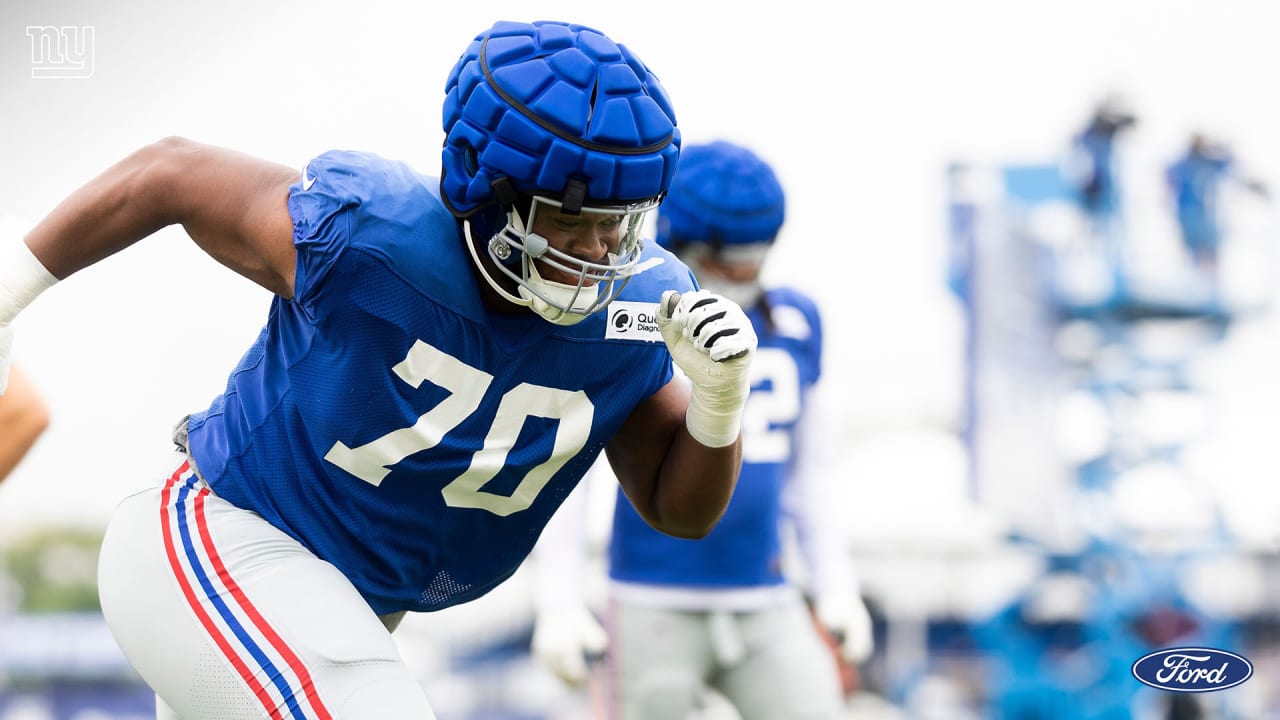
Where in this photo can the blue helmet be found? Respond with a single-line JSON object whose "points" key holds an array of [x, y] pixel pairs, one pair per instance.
{"points": [[722, 213], [554, 118], [723, 195], [534, 106]]}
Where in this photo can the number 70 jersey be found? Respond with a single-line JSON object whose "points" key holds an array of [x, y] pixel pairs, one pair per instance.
{"points": [[396, 426]]}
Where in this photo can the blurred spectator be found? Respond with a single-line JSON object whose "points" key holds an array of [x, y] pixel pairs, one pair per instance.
{"points": [[23, 417], [1095, 152], [1195, 180], [1093, 172]]}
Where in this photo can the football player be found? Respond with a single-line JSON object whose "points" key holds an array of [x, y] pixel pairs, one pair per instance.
{"points": [[717, 612], [434, 377], [1195, 183]]}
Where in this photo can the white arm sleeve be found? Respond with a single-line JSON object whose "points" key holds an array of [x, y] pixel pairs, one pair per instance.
{"points": [[808, 502], [812, 502], [22, 278], [560, 555], [565, 633]]}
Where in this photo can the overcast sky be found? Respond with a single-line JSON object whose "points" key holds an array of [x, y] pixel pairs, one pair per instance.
{"points": [[859, 105]]}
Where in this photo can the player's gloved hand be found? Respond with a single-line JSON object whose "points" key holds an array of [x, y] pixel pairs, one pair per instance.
{"points": [[712, 342], [565, 638], [849, 623], [22, 278]]}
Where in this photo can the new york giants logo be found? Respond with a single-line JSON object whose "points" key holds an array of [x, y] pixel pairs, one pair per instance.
{"points": [[65, 52]]}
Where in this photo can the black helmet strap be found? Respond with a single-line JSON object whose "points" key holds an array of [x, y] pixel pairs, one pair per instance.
{"points": [[575, 194], [503, 191]]}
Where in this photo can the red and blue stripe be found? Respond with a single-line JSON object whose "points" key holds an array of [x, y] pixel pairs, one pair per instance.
{"points": [[268, 666]]}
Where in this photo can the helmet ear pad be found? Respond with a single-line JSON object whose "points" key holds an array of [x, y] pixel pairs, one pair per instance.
{"points": [[543, 104], [489, 221], [486, 222]]}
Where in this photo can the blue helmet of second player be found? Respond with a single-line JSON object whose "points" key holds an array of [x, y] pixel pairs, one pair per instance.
{"points": [[559, 118], [722, 214]]}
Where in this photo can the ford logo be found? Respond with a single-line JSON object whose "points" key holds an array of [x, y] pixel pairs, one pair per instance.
{"points": [[1192, 669]]}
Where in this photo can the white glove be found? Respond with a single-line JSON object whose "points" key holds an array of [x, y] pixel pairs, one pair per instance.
{"points": [[22, 278], [849, 622], [565, 638], [711, 340]]}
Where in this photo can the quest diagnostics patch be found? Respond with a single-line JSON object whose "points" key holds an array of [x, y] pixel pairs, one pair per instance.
{"points": [[633, 321]]}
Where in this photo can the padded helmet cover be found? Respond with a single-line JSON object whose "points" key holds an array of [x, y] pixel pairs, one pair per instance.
{"points": [[723, 194], [544, 103]]}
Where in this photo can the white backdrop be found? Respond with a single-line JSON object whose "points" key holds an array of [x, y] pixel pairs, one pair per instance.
{"points": [[859, 106]]}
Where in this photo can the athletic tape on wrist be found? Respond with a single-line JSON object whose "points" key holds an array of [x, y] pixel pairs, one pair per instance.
{"points": [[713, 427], [22, 278]]}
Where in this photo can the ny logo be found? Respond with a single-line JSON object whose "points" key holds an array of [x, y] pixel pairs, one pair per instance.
{"points": [[65, 52]]}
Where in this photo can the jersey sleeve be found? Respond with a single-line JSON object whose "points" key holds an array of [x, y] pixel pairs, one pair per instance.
{"points": [[797, 318], [814, 370], [322, 204]]}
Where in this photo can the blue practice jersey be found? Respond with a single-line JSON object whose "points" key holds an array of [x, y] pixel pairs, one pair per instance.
{"points": [[1195, 178], [745, 549], [396, 426]]}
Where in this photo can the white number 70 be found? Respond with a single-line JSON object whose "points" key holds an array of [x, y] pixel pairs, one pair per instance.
{"points": [[467, 385]]}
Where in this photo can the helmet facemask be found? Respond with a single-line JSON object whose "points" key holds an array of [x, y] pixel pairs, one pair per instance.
{"points": [[581, 286], [549, 115], [746, 257]]}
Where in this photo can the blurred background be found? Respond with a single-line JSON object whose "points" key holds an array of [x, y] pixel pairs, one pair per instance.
{"points": [[1052, 330]]}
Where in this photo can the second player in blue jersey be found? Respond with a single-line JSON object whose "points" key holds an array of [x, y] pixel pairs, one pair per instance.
{"points": [[689, 616]]}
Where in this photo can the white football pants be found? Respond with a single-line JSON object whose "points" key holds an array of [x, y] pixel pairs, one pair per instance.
{"points": [[228, 618], [771, 664]]}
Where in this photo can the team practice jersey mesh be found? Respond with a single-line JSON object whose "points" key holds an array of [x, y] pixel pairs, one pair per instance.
{"points": [[394, 425]]}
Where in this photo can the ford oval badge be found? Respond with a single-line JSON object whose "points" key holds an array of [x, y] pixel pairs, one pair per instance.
{"points": [[1192, 669]]}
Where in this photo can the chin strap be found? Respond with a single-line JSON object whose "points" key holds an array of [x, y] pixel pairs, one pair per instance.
{"points": [[564, 304], [484, 272], [526, 297]]}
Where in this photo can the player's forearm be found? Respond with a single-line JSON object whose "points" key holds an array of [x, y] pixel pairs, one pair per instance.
{"points": [[18, 439], [124, 204], [695, 483], [23, 417]]}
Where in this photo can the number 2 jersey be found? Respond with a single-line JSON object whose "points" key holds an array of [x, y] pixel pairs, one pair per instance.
{"points": [[744, 550], [391, 422]]}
